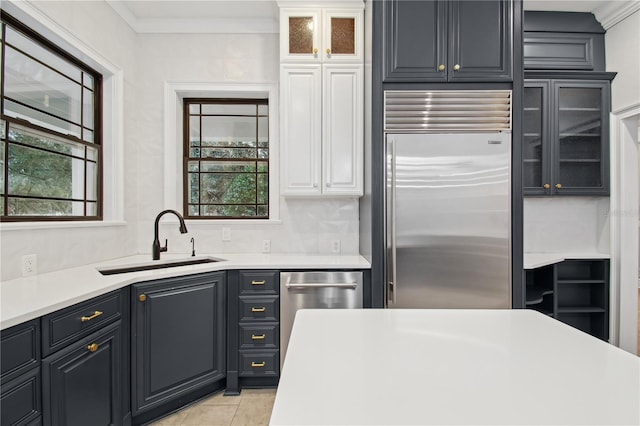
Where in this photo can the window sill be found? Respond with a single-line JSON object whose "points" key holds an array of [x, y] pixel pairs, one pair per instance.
{"points": [[24, 226]]}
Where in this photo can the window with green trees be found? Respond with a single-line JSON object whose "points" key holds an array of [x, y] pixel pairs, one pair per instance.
{"points": [[226, 158], [50, 136]]}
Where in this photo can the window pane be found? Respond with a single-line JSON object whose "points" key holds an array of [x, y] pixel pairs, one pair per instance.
{"points": [[193, 210], [92, 209], [263, 189], [229, 211], [88, 136], [38, 118], [227, 188], [92, 181], [229, 109], [263, 211], [194, 187], [228, 153], [194, 109], [42, 140], [31, 207], [263, 130], [230, 130], [88, 80], [39, 173], [87, 112], [33, 84], [33, 49], [263, 109], [2, 162], [92, 153], [228, 166], [194, 131]]}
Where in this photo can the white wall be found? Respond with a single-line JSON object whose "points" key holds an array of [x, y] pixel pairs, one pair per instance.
{"points": [[96, 27], [622, 45], [566, 224]]}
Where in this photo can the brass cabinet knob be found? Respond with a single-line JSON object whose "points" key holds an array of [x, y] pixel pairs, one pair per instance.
{"points": [[558, 185], [328, 51], [456, 67], [142, 297], [441, 67], [315, 50], [93, 347], [546, 186]]}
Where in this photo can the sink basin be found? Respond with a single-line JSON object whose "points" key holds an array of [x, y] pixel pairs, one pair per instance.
{"points": [[156, 265]]}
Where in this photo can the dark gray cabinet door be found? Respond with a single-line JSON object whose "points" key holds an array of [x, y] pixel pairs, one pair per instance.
{"points": [[178, 337], [440, 41], [536, 150], [20, 402], [480, 41], [581, 130], [415, 37], [81, 383]]}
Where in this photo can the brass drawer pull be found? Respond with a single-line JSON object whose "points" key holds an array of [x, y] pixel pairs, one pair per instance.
{"points": [[258, 336], [93, 347], [258, 364], [96, 314], [254, 282], [262, 309]]}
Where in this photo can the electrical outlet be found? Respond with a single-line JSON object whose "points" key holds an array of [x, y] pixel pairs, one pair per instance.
{"points": [[266, 246], [29, 265], [226, 234], [335, 246]]}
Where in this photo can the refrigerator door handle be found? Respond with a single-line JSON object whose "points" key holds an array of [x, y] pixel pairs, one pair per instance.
{"points": [[393, 277]]}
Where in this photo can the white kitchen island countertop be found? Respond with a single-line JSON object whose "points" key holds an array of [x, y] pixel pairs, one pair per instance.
{"points": [[27, 298], [445, 367]]}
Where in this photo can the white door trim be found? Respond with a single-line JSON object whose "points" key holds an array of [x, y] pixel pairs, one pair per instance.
{"points": [[625, 190]]}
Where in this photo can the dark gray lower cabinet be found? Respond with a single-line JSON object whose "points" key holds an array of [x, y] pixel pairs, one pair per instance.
{"points": [[178, 335], [575, 292], [20, 394], [82, 382]]}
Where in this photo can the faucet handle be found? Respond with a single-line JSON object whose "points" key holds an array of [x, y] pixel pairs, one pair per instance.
{"points": [[166, 244]]}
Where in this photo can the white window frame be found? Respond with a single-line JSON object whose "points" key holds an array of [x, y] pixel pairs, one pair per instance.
{"points": [[174, 93]]}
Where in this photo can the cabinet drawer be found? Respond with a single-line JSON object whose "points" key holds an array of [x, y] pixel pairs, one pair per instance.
{"points": [[259, 308], [68, 325], [259, 336], [263, 363], [20, 349], [258, 282], [20, 403]]}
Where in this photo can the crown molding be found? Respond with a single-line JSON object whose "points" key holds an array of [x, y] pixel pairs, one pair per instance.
{"points": [[613, 12], [194, 26]]}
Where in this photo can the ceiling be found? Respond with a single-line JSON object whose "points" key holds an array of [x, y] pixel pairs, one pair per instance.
{"points": [[261, 16]]}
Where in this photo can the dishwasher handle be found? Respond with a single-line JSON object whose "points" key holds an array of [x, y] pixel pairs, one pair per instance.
{"points": [[322, 285]]}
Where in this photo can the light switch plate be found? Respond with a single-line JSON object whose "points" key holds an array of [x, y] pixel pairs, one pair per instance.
{"points": [[266, 246], [335, 246]]}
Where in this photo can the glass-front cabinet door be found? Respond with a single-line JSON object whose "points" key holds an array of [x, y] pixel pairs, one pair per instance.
{"points": [[535, 150], [342, 35], [566, 137], [300, 34], [582, 131]]}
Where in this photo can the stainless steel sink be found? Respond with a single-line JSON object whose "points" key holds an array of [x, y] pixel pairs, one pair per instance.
{"points": [[156, 265]]}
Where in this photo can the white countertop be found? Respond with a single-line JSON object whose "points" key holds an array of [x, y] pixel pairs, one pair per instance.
{"points": [[27, 298], [538, 260], [401, 367]]}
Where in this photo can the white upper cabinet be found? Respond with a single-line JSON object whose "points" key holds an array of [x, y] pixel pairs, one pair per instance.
{"points": [[322, 100], [321, 35]]}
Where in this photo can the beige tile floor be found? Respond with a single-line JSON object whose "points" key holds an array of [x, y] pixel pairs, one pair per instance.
{"points": [[252, 407]]}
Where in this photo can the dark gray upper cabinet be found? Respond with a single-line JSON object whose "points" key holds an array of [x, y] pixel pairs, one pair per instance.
{"points": [[563, 41], [448, 41], [178, 337], [566, 143]]}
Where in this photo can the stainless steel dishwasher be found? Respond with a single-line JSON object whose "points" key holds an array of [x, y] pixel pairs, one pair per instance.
{"points": [[315, 290]]}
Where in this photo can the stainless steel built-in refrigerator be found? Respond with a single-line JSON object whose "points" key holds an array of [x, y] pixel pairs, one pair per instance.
{"points": [[448, 203]]}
